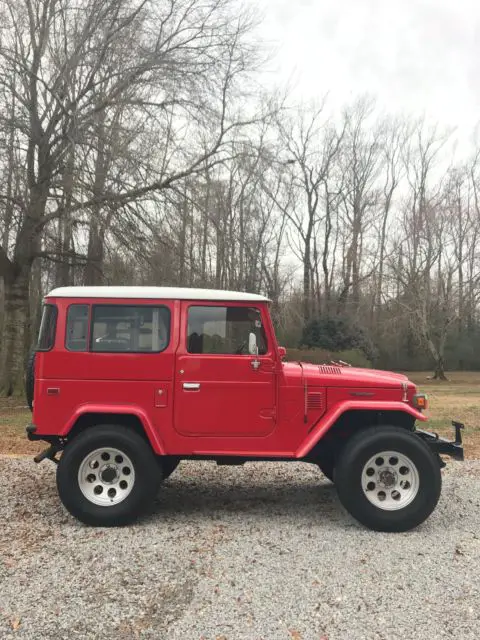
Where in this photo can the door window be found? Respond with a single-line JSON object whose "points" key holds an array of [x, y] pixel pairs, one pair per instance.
{"points": [[226, 330]]}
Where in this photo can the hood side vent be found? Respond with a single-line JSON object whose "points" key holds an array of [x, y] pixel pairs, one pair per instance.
{"points": [[314, 401], [329, 369]]}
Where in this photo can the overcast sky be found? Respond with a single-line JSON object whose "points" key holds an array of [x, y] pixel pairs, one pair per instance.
{"points": [[420, 56]]}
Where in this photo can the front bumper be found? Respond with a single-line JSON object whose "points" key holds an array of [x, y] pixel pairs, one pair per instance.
{"points": [[454, 449]]}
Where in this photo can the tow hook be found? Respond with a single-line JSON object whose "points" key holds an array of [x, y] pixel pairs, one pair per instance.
{"points": [[50, 453]]}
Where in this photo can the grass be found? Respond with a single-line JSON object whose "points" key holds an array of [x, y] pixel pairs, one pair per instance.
{"points": [[457, 399], [14, 417]]}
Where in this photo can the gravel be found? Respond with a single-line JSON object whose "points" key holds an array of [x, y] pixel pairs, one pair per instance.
{"points": [[263, 551]]}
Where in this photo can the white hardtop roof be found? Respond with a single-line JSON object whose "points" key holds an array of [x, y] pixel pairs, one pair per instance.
{"points": [[154, 293]]}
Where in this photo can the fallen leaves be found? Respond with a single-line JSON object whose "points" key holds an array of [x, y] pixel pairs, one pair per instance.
{"points": [[15, 623], [10, 563]]}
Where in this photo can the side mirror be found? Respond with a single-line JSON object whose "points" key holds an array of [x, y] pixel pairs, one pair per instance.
{"points": [[282, 352], [252, 344]]}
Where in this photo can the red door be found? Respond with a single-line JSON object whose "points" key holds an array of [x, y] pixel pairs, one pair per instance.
{"points": [[221, 389]]}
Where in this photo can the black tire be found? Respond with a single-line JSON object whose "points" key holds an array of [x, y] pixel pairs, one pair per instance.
{"points": [[168, 465], [30, 379], [348, 473], [147, 476]]}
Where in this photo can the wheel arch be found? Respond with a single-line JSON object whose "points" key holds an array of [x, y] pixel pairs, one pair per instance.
{"points": [[88, 417], [336, 431]]}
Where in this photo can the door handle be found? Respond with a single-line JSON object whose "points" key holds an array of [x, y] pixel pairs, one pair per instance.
{"points": [[265, 366], [191, 386]]}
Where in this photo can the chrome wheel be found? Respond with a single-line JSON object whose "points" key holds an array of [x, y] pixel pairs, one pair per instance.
{"points": [[106, 476], [390, 480]]}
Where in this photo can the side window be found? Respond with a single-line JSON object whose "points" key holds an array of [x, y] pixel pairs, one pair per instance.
{"points": [[48, 327], [77, 327], [137, 329], [227, 330]]}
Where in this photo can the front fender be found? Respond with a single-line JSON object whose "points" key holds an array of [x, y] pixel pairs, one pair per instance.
{"points": [[329, 419], [123, 409]]}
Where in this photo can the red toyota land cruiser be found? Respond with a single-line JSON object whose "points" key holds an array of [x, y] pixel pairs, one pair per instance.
{"points": [[127, 381]]}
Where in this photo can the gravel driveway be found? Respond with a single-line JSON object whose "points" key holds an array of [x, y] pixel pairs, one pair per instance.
{"points": [[262, 551]]}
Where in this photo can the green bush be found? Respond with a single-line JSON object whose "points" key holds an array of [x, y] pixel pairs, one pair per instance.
{"points": [[355, 357], [337, 334]]}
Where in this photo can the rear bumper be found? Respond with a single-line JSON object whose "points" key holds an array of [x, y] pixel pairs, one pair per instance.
{"points": [[31, 435], [453, 448]]}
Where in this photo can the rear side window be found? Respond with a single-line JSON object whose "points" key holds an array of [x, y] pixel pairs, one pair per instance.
{"points": [[225, 330], [48, 327], [77, 327], [123, 329]]}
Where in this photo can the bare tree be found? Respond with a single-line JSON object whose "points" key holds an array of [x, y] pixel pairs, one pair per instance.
{"points": [[427, 268], [176, 61], [361, 157], [311, 144]]}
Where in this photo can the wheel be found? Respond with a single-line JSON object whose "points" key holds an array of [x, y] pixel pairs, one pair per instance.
{"points": [[30, 379], [388, 479], [107, 476], [168, 465]]}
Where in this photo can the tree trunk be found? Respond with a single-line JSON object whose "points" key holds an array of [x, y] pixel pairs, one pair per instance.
{"points": [[64, 267], [438, 356], [182, 241], [307, 267], [94, 266], [439, 373], [99, 220], [325, 253], [383, 234], [16, 332]]}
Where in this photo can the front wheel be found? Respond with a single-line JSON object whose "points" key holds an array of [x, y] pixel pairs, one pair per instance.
{"points": [[107, 476], [388, 479]]}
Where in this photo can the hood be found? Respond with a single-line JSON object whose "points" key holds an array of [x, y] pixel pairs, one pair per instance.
{"points": [[327, 375]]}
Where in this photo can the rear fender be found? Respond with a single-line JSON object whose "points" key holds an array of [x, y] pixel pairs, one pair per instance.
{"points": [[330, 418], [127, 410]]}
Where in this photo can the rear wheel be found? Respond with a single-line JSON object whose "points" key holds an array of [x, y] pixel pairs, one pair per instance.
{"points": [[388, 479], [107, 476]]}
